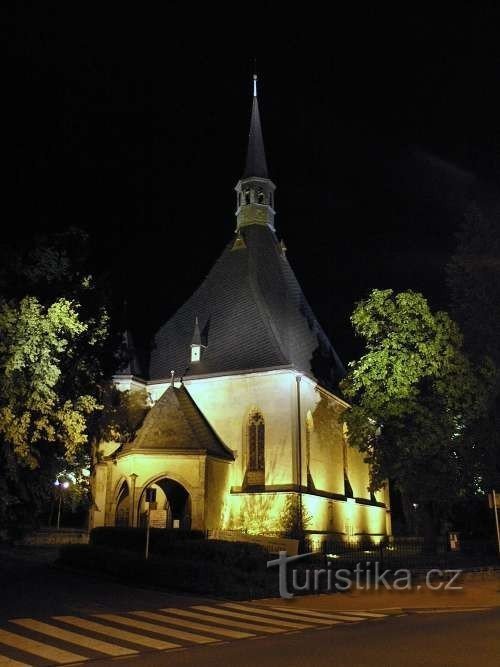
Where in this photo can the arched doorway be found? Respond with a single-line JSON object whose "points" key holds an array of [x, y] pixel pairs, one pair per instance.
{"points": [[172, 508], [122, 506]]}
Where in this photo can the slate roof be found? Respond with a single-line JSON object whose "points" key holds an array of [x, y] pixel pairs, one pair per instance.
{"points": [[176, 424], [252, 315]]}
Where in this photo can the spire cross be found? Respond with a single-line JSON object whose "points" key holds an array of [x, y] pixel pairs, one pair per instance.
{"points": [[255, 85]]}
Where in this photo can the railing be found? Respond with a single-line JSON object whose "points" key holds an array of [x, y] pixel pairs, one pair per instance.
{"points": [[409, 552]]}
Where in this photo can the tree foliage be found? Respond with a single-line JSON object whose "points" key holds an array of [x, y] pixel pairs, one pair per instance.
{"points": [[54, 347], [32, 409], [414, 393]]}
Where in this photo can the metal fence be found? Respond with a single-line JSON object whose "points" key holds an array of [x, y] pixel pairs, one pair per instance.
{"points": [[409, 553]]}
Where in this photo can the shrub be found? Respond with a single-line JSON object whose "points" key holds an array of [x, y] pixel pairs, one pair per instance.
{"points": [[182, 570], [178, 544], [133, 539]]}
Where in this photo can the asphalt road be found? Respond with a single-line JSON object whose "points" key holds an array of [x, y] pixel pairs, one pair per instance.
{"points": [[430, 640]]}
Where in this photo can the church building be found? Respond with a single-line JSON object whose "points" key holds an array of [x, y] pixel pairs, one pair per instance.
{"points": [[244, 422]]}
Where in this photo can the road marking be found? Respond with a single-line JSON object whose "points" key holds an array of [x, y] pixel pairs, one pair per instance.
{"points": [[306, 622], [225, 621], [159, 629], [116, 633], [450, 610], [255, 617], [9, 662], [73, 637], [320, 614], [46, 651], [363, 614], [224, 632]]}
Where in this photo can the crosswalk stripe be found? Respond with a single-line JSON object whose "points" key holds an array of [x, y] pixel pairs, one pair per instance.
{"points": [[46, 651], [357, 616], [73, 637], [267, 629], [214, 630], [116, 633], [9, 662], [362, 614], [159, 629], [255, 617], [284, 614]]}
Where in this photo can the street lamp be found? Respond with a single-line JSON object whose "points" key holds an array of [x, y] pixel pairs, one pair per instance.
{"points": [[61, 486]]}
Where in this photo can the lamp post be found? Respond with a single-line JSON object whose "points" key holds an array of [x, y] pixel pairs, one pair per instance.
{"points": [[61, 486], [150, 498]]}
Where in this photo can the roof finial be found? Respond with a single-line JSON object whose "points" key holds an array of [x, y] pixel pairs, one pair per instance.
{"points": [[255, 85]]}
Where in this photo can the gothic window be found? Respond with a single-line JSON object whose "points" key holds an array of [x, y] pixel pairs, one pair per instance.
{"points": [[247, 196], [256, 442], [260, 196]]}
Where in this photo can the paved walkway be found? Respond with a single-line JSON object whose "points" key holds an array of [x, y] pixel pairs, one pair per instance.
{"points": [[475, 593]]}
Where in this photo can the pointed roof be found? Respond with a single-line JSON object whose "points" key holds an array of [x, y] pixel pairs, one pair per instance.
{"points": [[176, 424], [254, 316], [196, 334], [256, 164]]}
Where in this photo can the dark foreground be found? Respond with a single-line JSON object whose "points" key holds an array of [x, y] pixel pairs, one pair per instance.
{"points": [[153, 628], [431, 640], [31, 586]]}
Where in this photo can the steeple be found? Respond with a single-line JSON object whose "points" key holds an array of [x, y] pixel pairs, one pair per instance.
{"points": [[255, 190], [256, 164]]}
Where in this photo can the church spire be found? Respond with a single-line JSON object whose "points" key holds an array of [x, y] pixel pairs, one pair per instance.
{"points": [[255, 190], [256, 164]]}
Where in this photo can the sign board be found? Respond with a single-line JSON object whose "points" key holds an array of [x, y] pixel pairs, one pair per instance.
{"points": [[271, 544], [158, 518]]}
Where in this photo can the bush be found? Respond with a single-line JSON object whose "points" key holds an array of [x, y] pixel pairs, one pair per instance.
{"points": [[226, 572], [179, 544], [133, 539]]}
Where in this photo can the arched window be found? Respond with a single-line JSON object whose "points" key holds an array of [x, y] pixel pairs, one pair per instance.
{"points": [[247, 196], [260, 196], [256, 442]]}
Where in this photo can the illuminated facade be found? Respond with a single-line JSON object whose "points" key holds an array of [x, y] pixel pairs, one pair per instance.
{"points": [[249, 417]]}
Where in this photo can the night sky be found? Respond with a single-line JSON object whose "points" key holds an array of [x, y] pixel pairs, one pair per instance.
{"points": [[377, 137]]}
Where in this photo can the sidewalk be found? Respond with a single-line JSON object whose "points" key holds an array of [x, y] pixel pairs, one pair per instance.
{"points": [[475, 593]]}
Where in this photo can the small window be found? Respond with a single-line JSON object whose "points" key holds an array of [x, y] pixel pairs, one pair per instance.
{"points": [[247, 196], [195, 352], [260, 196]]}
